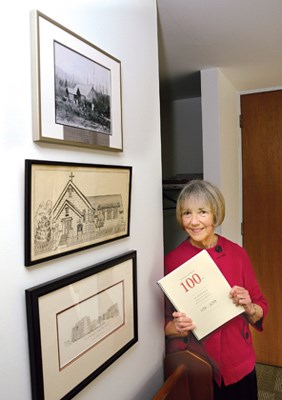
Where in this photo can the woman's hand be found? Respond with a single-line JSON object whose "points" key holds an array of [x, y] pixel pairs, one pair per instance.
{"points": [[180, 325], [241, 296]]}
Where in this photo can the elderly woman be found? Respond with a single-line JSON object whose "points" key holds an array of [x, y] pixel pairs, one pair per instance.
{"points": [[200, 209]]}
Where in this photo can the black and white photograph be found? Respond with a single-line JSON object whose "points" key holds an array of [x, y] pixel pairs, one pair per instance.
{"points": [[77, 96], [82, 91]]}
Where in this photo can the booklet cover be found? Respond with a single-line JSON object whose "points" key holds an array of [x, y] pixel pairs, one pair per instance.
{"points": [[199, 289]]}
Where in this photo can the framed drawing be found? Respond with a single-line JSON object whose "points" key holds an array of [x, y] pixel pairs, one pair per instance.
{"points": [[76, 89], [78, 325], [72, 206]]}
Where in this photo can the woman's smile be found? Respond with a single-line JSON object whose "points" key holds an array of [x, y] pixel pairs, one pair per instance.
{"points": [[197, 220]]}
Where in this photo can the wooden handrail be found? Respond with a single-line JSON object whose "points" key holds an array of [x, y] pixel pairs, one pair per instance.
{"points": [[176, 386]]}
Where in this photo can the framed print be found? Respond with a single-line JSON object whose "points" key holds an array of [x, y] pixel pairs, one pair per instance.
{"points": [[72, 206], [79, 324], [76, 89]]}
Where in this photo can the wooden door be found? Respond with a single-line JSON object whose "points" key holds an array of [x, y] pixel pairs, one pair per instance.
{"points": [[261, 116]]}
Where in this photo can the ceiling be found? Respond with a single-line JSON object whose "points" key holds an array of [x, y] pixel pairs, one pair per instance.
{"points": [[243, 38]]}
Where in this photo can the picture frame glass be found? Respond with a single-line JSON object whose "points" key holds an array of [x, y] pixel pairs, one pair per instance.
{"points": [[76, 89], [73, 206], [80, 324]]}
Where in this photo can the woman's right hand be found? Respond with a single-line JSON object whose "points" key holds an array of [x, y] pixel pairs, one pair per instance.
{"points": [[180, 325]]}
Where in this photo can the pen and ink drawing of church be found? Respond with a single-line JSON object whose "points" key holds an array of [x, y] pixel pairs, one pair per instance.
{"points": [[76, 219]]}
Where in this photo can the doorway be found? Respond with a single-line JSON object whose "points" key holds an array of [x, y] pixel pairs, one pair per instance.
{"points": [[261, 116]]}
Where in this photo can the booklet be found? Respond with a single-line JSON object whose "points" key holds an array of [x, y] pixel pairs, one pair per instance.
{"points": [[199, 289]]}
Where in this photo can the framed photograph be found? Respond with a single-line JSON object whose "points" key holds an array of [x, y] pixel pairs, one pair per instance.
{"points": [[72, 206], [76, 89], [78, 325]]}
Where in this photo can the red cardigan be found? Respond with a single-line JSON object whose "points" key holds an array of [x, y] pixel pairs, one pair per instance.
{"points": [[229, 348]]}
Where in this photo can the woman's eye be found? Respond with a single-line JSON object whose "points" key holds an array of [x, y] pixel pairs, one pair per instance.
{"points": [[186, 213], [203, 212]]}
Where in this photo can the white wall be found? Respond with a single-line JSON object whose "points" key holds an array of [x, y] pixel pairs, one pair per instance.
{"points": [[127, 29], [221, 145]]}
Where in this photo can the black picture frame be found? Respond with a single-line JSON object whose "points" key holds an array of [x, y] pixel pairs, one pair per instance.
{"points": [[80, 324], [73, 206]]}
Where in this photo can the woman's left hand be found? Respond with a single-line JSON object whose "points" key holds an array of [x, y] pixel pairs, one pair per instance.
{"points": [[240, 296]]}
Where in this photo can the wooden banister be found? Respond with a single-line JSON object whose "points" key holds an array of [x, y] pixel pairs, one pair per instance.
{"points": [[176, 386], [199, 373]]}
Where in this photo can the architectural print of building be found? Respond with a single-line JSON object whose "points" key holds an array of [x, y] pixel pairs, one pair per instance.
{"points": [[85, 326], [76, 218]]}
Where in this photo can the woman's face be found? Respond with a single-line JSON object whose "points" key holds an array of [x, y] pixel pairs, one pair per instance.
{"points": [[198, 222]]}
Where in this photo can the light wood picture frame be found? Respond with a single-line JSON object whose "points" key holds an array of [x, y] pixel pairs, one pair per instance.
{"points": [[76, 89]]}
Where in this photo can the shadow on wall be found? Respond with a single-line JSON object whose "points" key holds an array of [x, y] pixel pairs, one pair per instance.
{"points": [[152, 386], [183, 87]]}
